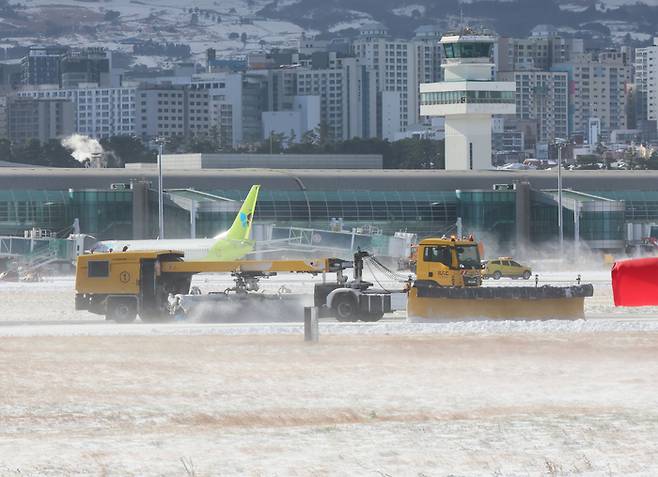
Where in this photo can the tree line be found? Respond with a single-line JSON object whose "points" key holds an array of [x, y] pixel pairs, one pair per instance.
{"points": [[118, 151], [410, 153]]}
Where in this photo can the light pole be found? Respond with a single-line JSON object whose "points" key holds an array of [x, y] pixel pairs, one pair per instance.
{"points": [[560, 217], [160, 141]]}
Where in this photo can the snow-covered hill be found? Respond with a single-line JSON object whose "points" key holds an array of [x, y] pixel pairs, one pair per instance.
{"points": [[118, 24], [267, 24]]}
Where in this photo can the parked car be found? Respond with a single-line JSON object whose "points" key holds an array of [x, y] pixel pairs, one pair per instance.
{"points": [[505, 267]]}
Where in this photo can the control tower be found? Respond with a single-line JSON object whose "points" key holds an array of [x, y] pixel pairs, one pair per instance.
{"points": [[467, 98]]}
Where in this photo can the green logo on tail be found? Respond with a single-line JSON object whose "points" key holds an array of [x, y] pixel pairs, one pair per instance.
{"points": [[235, 243]]}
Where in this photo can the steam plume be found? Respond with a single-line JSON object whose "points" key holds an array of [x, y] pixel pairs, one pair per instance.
{"points": [[84, 149]]}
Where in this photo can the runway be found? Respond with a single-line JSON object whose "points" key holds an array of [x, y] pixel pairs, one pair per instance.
{"points": [[389, 326]]}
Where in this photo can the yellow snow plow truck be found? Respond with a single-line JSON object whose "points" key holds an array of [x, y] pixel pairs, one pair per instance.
{"points": [[448, 286]]}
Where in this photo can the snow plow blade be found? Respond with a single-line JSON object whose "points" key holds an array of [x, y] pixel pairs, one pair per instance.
{"points": [[500, 303]]}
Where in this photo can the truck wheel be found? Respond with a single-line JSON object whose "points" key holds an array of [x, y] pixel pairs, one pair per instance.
{"points": [[496, 275], [345, 308], [527, 275], [121, 311]]}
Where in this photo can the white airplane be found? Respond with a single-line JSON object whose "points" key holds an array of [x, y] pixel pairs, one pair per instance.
{"points": [[230, 245]]}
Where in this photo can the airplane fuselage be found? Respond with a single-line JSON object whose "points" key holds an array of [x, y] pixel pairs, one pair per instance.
{"points": [[230, 245], [194, 249]]}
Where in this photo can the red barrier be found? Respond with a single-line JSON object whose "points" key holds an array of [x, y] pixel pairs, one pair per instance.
{"points": [[635, 282]]}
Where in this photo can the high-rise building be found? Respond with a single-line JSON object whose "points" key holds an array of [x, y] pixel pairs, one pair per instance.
{"points": [[361, 107], [281, 88], [346, 88], [39, 119], [86, 65], [254, 102], [99, 112], [542, 96], [10, 76], [428, 54], [4, 134], [225, 101], [536, 52], [646, 82], [393, 64], [598, 85], [468, 98], [225, 104], [329, 85], [42, 64], [168, 110]]}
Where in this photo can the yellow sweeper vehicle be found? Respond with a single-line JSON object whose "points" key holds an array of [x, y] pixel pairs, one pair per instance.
{"points": [[156, 285]]}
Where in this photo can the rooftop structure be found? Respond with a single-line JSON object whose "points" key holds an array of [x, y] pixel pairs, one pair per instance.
{"points": [[205, 161]]}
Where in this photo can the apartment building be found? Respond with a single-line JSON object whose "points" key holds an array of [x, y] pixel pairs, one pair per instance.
{"points": [[646, 81], [165, 111], [428, 54], [38, 119], [540, 51], [542, 96], [99, 112], [598, 85], [394, 65], [224, 104]]}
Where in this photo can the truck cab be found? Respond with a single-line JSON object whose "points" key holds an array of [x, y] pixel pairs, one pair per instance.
{"points": [[449, 262]]}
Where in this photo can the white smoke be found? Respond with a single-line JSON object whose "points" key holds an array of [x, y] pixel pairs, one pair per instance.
{"points": [[86, 150]]}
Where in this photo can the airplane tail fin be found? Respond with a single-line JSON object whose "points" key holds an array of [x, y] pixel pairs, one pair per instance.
{"points": [[241, 227]]}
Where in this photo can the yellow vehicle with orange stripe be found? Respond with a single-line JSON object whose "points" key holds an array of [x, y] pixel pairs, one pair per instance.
{"points": [[449, 262]]}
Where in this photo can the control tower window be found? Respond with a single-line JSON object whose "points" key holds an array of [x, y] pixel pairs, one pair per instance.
{"points": [[467, 50]]}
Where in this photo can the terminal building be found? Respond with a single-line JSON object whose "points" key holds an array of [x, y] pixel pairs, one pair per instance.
{"points": [[602, 209]]}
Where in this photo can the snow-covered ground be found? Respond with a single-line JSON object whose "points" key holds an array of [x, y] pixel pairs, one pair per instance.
{"points": [[548, 404], [52, 300], [85, 397]]}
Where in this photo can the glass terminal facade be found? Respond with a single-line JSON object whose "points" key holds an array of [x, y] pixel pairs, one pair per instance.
{"points": [[490, 213], [108, 214], [601, 221], [105, 214], [25, 209]]}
